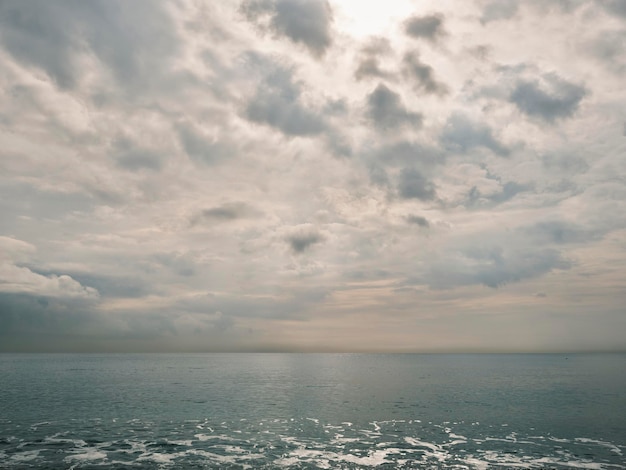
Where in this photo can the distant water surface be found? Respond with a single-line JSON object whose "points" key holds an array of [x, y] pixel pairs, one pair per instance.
{"points": [[312, 411]]}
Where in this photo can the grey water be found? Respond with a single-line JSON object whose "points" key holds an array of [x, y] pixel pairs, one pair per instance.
{"points": [[312, 411]]}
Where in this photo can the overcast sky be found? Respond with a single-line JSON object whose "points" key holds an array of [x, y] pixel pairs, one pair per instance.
{"points": [[304, 175]]}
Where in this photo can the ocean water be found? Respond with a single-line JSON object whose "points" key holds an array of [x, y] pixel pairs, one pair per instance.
{"points": [[312, 411]]}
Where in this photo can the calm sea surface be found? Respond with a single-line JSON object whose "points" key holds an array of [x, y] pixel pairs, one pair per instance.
{"points": [[312, 411]]}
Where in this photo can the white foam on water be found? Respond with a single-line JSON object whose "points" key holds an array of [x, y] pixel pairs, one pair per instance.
{"points": [[340, 439], [187, 443], [135, 447], [569, 464], [76, 442], [166, 459], [208, 437], [315, 420], [608, 445], [89, 455], [26, 456], [509, 460], [454, 443], [223, 459], [417, 443], [498, 439], [42, 423], [477, 464], [323, 458], [490, 458], [374, 459], [234, 449], [435, 451]]}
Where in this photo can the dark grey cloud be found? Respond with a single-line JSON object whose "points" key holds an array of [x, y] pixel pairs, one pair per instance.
{"points": [[615, 7], [182, 264], [300, 242], [307, 22], [414, 185], [418, 220], [495, 267], [427, 27], [133, 157], [133, 39], [369, 59], [461, 134], [500, 10], [509, 190], [378, 175], [561, 232], [407, 153], [568, 163], [34, 323], [553, 100], [224, 213], [496, 10], [387, 112], [31, 319], [201, 148], [277, 104], [422, 75], [609, 47], [369, 66]]}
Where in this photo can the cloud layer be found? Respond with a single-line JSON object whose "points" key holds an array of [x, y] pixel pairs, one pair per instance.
{"points": [[312, 175]]}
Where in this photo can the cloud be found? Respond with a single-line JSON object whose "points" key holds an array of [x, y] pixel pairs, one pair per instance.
{"points": [[159, 162], [302, 237], [615, 7], [224, 213], [567, 163], [494, 266], [277, 104], [182, 264], [133, 40], [609, 47], [462, 134], [306, 22], [508, 191], [16, 279], [386, 110], [499, 10], [369, 60], [134, 158], [201, 148], [427, 27], [414, 185], [561, 232], [422, 75], [108, 286], [549, 100], [418, 220], [12, 249], [408, 153]]}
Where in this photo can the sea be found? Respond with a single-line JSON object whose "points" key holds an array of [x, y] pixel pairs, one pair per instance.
{"points": [[310, 411]]}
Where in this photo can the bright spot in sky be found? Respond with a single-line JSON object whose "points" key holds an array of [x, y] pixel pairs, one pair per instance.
{"points": [[360, 19]]}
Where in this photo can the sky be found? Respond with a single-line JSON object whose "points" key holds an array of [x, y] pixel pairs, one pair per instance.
{"points": [[304, 175]]}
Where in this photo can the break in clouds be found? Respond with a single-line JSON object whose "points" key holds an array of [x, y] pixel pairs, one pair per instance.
{"points": [[312, 175]]}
